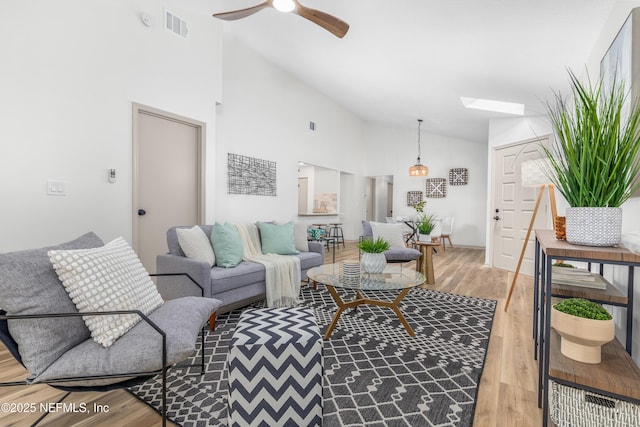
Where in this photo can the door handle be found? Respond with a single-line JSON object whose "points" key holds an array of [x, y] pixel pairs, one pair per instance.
{"points": [[497, 217], [141, 212]]}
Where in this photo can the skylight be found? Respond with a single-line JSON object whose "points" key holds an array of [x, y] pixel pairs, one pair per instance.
{"points": [[491, 105]]}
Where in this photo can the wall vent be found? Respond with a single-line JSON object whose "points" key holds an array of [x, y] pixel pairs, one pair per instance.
{"points": [[175, 24]]}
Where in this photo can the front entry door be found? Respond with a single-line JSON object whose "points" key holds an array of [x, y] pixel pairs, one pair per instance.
{"points": [[513, 206], [168, 187]]}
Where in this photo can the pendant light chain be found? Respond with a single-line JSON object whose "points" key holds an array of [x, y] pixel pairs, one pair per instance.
{"points": [[419, 169], [419, 152]]}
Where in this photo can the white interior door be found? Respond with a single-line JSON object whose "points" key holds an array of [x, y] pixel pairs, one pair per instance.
{"points": [[168, 178], [513, 206]]}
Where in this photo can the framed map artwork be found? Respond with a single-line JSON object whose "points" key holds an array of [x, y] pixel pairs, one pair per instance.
{"points": [[436, 188], [458, 176], [413, 197]]}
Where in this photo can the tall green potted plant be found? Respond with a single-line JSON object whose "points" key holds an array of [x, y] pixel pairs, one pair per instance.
{"points": [[594, 161]]}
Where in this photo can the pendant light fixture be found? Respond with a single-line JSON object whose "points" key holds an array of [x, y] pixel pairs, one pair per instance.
{"points": [[418, 169]]}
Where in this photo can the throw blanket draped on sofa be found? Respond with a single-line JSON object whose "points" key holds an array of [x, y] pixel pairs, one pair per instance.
{"points": [[282, 271]]}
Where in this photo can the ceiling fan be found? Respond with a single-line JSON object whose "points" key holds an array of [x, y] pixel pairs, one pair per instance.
{"points": [[330, 23]]}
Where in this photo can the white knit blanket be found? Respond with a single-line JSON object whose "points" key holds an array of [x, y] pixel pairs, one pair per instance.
{"points": [[282, 271]]}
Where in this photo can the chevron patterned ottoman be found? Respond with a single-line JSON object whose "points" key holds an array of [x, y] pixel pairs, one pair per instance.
{"points": [[275, 369]]}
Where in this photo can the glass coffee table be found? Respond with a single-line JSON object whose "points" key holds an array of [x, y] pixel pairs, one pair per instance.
{"points": [[392, 279]]}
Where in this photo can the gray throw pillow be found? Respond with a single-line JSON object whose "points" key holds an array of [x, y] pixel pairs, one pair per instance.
{"points": [[29, 285]]}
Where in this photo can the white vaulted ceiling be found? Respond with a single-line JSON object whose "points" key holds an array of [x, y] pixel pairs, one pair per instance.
{"points": [[405, 59]]}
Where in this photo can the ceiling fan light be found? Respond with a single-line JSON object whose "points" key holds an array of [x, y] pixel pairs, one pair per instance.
{"points": [[284, 5]]}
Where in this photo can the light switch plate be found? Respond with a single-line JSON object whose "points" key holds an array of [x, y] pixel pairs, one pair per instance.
{"points": [[56, 188]]}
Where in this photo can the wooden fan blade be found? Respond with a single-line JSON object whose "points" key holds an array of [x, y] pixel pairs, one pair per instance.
{"points": [[334, 25], [243, 13]]}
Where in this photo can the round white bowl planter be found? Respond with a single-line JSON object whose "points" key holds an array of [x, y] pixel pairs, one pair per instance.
{"points": [[582, 339], [373, 263]]}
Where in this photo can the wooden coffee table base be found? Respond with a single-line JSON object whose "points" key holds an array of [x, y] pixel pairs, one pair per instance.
{"points": [[361, 299]]}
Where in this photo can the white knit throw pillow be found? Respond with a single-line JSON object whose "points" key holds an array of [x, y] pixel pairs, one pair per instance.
{"points": [[107, 278]]}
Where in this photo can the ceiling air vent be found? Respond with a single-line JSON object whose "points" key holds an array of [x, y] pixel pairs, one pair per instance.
{"points": [[176, 24]]}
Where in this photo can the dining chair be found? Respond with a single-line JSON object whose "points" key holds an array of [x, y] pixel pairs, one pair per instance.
{"points": [[447, 231]]}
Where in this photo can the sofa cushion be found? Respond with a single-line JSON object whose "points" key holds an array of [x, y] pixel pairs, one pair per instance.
{"points": [[29, 285], [402, 254], [366, 230], [140, 349], [309, 259], [247, 273], [300, 235], [196, 245], [107, 278], [392, 233], [277, 239], [243, 274], [227, 244], [172, 238]]}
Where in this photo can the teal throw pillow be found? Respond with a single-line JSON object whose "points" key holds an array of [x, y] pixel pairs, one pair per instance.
{"points": [[277, 239], [227, 245]]}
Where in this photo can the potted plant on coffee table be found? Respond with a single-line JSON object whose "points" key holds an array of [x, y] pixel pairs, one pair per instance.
{"points": [[584, 326], [594, 161], [373, 259]]}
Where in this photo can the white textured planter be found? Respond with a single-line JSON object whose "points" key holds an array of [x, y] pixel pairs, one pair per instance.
{"points": [[582, 339], [373, 263], [594, 226], [424, 237]]}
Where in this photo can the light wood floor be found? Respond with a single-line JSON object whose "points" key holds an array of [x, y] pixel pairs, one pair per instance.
{"points": [[507, 395]]}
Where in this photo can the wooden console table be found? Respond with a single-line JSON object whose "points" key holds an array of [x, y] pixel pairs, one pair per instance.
{"points": [[617, 375]]}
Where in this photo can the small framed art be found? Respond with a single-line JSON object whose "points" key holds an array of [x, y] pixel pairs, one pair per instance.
{"points": [[436, 188], [413, 197], [458, 176]]}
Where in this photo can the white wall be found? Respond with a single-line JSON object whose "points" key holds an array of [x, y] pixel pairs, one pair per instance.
{"points": [[391, 150], [631, 209], [511, 130], [71, 70], [266, 114]]}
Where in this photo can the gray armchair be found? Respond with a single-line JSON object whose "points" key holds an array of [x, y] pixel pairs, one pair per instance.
{"points": [[60, 351], [394, 254]]}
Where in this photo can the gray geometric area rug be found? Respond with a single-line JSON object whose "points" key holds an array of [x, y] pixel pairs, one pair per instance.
{"points": [[375, 374]]}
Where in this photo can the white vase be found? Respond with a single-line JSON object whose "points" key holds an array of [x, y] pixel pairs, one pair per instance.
{"points": [[373, 263], [594, 226], [424, 237]]}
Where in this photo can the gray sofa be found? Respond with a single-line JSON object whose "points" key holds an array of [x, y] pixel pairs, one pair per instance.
{"points": [[235, 287]]}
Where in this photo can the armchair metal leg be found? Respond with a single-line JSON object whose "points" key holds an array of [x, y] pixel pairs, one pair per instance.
{"points": [[202, 353], [164, 397]]}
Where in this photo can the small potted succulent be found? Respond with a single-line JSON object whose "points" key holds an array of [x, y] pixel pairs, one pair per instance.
{"points": [[373, 259], [584, 326], [425, 225]]}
